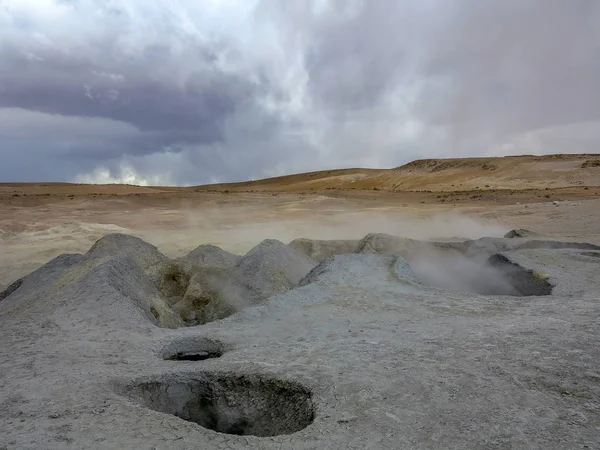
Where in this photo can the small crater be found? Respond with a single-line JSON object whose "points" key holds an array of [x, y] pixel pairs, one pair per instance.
{"points": [[592, 254], [193, 349], [495, 276], [232, 404], [522, 282], [195, 355]]}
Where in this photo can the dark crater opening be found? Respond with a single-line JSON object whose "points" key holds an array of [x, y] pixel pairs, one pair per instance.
{"points": [[518, 280], [592, 254], [193, 349], [233, 404], [199, 355]]}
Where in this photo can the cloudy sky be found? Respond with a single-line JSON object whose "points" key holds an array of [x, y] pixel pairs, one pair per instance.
{"points": [[197, 91]]}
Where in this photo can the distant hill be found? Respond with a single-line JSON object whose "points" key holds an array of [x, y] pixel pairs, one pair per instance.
{"points": [[455, 174]]}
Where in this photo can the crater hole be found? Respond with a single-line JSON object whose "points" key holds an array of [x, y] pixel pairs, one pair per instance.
{"points": [[591, 254], [232, 404], [193, 349], [199, 355], [496, 275]]}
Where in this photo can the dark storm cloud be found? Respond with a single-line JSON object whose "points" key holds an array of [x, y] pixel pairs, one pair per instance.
{"points": [[190, 112], [192, 92], [481, 72]]}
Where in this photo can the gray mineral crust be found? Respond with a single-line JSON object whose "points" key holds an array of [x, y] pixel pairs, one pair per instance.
{"points": [[382, 343]]}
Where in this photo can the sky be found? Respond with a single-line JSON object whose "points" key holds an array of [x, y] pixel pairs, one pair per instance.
{"points": [[185, 92]]}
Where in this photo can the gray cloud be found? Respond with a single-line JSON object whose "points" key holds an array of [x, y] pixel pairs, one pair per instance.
{"points": [[517, 66], [190, 111], [190, 93]]}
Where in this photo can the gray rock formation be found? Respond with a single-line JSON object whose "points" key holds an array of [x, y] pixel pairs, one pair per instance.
{"points": [[320, 250], [359, 351], [37, 280], [145, 255], [209, 256], [269, 268], [520, 233], [394, 245]]}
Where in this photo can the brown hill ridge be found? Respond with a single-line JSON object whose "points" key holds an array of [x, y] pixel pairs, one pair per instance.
{"points": [[435, 175], [454, 174]]}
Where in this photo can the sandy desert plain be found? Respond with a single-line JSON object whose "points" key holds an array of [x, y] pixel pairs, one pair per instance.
{"points": [[424, 200], [349, 351]]}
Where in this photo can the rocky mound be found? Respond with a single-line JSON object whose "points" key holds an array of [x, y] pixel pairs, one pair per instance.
{"points": [[319, 250], [207, 284], [145, 255], [209, 256], [38, 280], [520, 233], [217, 283], [269, 268]]}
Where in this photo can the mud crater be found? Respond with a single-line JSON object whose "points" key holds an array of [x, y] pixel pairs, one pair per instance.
{"points": [[232, 404], [519, 280], [496, 275]]}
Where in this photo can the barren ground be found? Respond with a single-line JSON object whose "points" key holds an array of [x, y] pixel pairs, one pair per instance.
{"points": [[425, 199], [489, 343]]}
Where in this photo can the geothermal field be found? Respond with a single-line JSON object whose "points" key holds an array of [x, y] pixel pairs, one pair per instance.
{"points": [[445, 304]]}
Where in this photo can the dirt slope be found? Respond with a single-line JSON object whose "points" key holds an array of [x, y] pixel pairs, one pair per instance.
{"points": [[437, 175], [45, 189], [323, 179], [459, 174]]}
